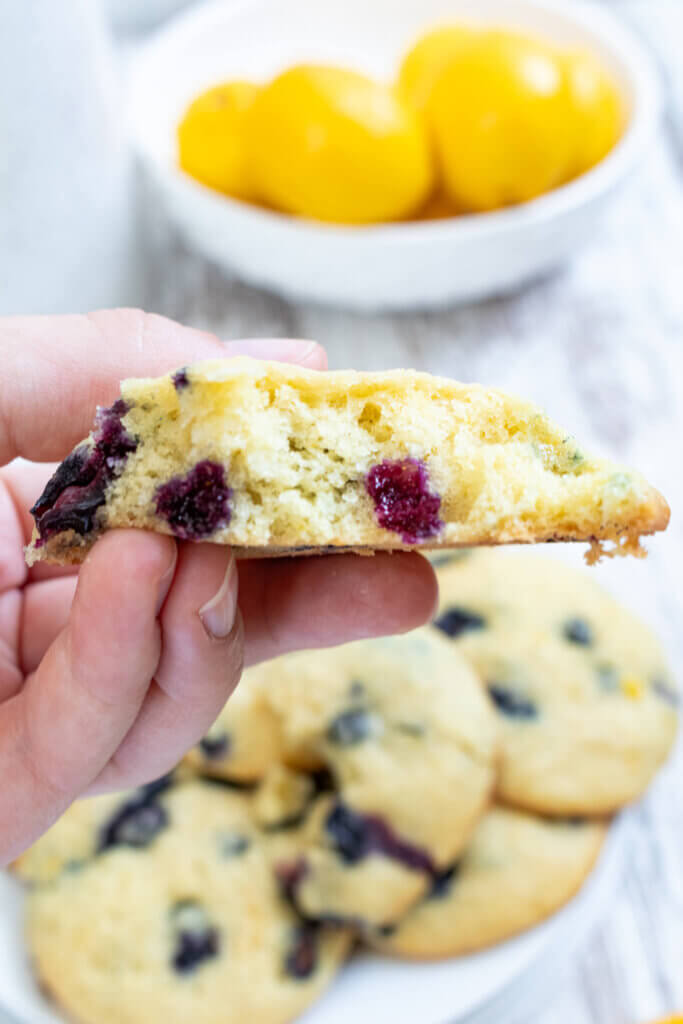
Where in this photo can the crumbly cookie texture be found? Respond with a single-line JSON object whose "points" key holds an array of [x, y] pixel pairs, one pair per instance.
{"points": [[517, 870], [275, 459], [193, 926], [410, 742], [585, 700]]}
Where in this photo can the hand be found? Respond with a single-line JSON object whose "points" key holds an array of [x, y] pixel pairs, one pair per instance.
{"points": [[109, 674]]}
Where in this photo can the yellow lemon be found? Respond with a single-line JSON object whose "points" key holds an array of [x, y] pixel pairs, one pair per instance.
{"points": [[437, 207], [498, 113], [333, 145], [596, 110], [422, 64], [211, 138]]}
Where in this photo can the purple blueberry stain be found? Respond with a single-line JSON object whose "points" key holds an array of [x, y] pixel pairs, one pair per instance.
{"points": [[442, 882], [196, 939], [180, 379], [78, 487], [197, 504], [302, 956], [289, 876], [355, 836], [403, 500]]}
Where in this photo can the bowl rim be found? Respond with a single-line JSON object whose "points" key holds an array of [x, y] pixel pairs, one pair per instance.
{"points": [[614, 35]]}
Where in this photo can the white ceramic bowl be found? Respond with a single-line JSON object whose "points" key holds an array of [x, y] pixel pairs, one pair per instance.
{"points": [[394, 266]]}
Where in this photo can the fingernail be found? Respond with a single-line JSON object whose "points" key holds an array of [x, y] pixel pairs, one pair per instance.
{"points": [[166, 580], [218, 614]]}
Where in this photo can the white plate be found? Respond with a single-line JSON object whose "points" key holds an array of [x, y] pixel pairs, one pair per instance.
{"points": [[506, 983], [390, 266]]}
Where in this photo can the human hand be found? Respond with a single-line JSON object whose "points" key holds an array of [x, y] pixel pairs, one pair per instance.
{"points": [[110, 673]]}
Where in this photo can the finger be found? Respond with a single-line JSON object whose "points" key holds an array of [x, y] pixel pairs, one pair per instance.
{"points": [[21, 483], [51, 403], [13, 569], [73, 713], [11, 676], [197, 671], [46, 607], [292, 604]]}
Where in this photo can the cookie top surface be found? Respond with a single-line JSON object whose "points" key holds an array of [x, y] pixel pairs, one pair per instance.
{"points": [[277, 459], [192, 927], [410, 742], [243, 742], [517, 870], [89, 827], [585, 700]]}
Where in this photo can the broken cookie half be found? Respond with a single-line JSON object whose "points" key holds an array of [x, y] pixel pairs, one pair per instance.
{"points": [[275, 459]]}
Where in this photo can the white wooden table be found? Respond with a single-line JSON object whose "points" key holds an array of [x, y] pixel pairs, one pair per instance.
{"points": [[600, 345]]}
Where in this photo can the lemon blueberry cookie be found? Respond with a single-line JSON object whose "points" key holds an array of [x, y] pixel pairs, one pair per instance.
{"points": [[277, 459], [585, 701], [410, 742], [192, 927], [517, 870]]}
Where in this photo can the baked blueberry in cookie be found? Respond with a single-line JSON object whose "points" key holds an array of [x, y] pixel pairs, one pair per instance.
{"points": [[511, 702], [197, 504], [275, 460], [403, 500], [195, 938], [455, 621], [578, 631], [78, 488]]}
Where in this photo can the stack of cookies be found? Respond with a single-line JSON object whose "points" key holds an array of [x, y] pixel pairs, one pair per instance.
{"points": [[427, 795]]}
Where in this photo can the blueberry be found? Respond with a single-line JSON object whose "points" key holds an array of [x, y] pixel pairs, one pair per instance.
{"points": [[349, 832], [351, 727], [135, 824], [403, 501], [289, 876], [180, 379], [356, 690], [78, 487], [355, 836], [302, 956], [442, 882], [196, 939], [511, 702], [233, 844], [213, 747], [455, 621], [196, 505], [578, 631], [665, 691]]}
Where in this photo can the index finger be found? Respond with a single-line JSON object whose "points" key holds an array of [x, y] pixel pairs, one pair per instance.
{"points": [[62, 367]]}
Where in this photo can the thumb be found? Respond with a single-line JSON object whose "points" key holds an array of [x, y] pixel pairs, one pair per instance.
{"points": [[63, 727]]}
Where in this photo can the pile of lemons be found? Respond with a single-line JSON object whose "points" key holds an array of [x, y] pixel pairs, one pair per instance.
{"points": [[478, 119]]}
